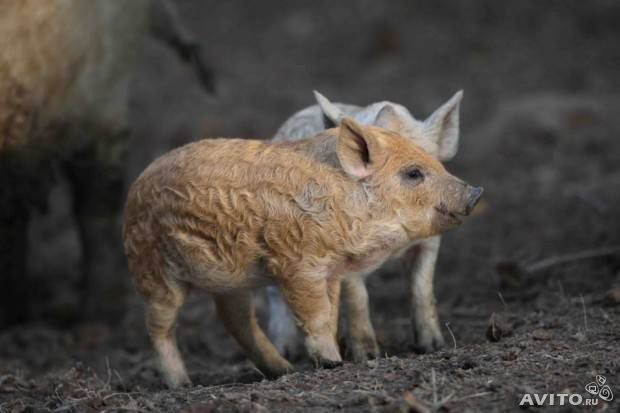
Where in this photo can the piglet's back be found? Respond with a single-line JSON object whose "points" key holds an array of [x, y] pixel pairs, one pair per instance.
{"points": [[234, 194], [247, 167]]}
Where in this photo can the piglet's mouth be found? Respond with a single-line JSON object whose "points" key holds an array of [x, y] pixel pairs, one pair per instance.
{"points": [[453, 216]]}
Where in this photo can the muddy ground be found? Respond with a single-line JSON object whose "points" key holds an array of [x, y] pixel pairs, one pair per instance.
{"points": [[538, 263]]}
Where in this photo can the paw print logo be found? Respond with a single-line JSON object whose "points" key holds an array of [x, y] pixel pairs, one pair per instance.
{"points": [[600, 389]]}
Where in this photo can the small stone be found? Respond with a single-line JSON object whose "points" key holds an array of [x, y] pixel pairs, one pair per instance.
{"points": [[613, 296], [390, 377], [498, 327], [580, 336], [511, 354], [468, 364], [541, 334]]}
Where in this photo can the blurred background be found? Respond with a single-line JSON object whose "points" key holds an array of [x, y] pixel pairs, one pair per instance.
{"points": [[540, 131]]}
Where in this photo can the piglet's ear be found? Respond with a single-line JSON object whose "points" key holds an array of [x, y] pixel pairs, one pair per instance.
{"points": [[443, 127], [387, 118], [358, 149], [331, 111]]}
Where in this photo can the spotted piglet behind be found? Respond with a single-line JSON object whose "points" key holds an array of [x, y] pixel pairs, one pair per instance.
{"points": [[230, 216]]}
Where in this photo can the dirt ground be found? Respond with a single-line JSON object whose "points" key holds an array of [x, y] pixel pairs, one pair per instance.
{"points": [[528, 289]]}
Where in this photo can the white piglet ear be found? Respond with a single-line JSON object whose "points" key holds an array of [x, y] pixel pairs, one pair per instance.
{"points": [[387, 118], [443, 125], [331, 111]]}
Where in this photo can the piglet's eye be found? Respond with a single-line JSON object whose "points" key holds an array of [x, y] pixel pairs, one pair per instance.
{"points": [[415, 173]]}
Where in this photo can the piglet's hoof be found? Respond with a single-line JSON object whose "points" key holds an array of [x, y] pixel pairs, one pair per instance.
{"points": [[430, 345], [330, 364], [178, 381], [324, 351], [362, 349], [278, 370]]}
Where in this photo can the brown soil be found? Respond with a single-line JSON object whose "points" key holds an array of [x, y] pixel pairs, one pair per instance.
{"points": [[540, 131]]}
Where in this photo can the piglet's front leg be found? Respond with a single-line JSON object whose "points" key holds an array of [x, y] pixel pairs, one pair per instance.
{"points": [[313, 298], [420, 264], [362, 342]]}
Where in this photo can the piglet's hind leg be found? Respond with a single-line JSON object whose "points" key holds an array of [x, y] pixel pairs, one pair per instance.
{"points": [[161, 316], [236, 310]]}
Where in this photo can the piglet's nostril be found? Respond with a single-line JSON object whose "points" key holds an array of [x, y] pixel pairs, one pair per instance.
{"points": [[474, 197]]}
